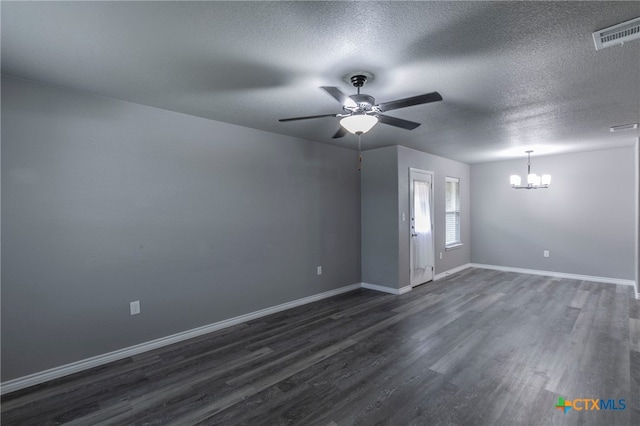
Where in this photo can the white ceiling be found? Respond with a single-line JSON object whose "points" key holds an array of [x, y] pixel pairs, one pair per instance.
{"points": [[513, 75]]}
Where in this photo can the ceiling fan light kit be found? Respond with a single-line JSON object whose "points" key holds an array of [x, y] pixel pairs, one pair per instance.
{"points": [[533, 180], [359, 123], [361, 113]]}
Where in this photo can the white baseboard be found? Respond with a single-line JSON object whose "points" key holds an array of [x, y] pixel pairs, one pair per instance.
{"points": [[85, 364], [451, 271], [403, 290], [555, 274], [396, 291]]}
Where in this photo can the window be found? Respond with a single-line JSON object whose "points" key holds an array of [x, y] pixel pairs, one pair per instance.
{"points": [[452, 210]]}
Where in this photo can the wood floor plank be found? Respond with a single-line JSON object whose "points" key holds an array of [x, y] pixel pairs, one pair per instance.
{"points": [[479, 347]]}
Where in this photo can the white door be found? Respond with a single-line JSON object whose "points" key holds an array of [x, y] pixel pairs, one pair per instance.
{"points": [[421, 226]]}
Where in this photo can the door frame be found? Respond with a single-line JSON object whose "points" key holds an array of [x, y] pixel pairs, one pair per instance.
{"points": [[415, 171]]}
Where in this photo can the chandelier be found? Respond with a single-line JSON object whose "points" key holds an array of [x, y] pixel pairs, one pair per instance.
{"points": [[533, 180]]}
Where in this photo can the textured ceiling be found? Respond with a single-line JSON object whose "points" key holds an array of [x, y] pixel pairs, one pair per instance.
{"points": [[513, 75]]}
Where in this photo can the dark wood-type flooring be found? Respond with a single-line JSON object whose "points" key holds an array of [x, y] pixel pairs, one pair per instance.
{"points": [[480, 347]]}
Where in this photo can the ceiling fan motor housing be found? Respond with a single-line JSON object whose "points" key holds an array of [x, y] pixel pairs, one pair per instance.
{"points": [[364, 103]]}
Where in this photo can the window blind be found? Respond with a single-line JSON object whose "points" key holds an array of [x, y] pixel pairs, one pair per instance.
{"points": [[452, 211]]}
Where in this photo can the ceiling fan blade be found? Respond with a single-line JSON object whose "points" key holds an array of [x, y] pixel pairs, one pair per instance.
{"points": [[398, 122], [340, 133], [307, 117], [406, 102], [339, 96]]}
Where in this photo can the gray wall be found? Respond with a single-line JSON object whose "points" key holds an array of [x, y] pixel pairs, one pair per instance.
{"points": [[105, 202], [379, 217], [385, 196], [586, 219]]}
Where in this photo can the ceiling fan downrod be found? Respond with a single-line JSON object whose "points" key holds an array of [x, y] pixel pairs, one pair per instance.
{"points": [[358, 81]]}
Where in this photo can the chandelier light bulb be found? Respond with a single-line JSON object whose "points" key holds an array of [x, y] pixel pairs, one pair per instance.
{"points": [[546, 180]]}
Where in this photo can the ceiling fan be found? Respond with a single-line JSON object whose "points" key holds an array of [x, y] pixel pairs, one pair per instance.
{"points": [[362, 112]]}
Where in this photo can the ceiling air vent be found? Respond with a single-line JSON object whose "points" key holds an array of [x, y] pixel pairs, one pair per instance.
{"points": [[617, 34], [623, 127]]}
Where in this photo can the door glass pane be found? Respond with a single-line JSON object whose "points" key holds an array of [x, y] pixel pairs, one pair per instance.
{"points": [[422, 225], [421, 206]]}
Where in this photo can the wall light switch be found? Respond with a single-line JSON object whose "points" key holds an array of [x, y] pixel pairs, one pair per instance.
{"points": [[134, 307], [440, 255], [546, 253], [319, 270]]}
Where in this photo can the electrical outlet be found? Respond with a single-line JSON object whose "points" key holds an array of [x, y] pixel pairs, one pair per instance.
{"points": [[319, 270], [546, 253], [134, 307]]}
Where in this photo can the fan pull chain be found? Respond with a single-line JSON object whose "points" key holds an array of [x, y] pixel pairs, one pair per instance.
{"points": [[359, 152]]}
